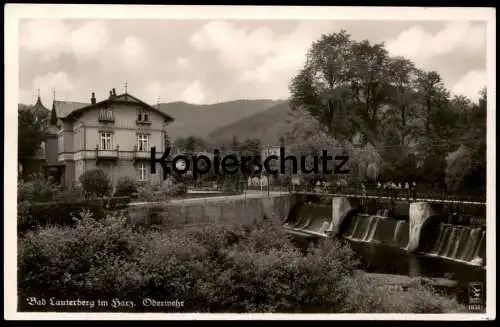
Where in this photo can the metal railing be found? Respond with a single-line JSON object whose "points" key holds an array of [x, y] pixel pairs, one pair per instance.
{"points": [[105, 116], [100, 153], [401, 194]]}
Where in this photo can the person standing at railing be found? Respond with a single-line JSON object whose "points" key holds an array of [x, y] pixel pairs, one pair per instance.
{"points": [[413, 190]]}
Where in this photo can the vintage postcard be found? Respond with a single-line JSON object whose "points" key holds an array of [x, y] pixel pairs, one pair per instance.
{"points": [[240, 162]]}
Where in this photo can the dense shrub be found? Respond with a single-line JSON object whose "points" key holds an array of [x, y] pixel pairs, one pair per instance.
{"points": [[162, 192], [34, 215], [178, 189], [125, 186], [213, 268], [369, 296], [72, 194], [152, 193], [95, 182], [38, 189], [151, 217], [116, 202], [62, 213]]}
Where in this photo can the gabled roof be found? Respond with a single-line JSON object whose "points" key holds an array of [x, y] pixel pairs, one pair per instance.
{"points": [[72, 109], [64, 108]]}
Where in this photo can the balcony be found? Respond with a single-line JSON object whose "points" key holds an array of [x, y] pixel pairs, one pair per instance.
{"points": [[141, 154], [106, 116], [101, 154], [143, 122]]}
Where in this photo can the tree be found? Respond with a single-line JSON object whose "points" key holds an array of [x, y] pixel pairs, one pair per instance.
{"points": [[349, 86], [30, 137], [31, 134], [53, 115], [235, 144], [402, 111], [249, 148], [466, 167], [191, 144], [432, 98], [382, 110]]}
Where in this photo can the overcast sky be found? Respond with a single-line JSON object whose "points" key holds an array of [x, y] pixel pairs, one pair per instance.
{"points": [[208, 61]]}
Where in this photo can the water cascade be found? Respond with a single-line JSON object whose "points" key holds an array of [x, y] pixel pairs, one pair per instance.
{"points": [[459, 243], [377, 229], [422, 231]]}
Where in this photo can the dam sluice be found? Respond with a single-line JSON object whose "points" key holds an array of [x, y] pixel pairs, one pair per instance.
{"points": [[421, 228]]}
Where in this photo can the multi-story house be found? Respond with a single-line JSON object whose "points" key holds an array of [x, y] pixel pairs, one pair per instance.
{"points": [[115, 135], [270, 150]]}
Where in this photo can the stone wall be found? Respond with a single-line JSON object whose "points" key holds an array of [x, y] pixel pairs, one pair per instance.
{"points": [[220, 211]]}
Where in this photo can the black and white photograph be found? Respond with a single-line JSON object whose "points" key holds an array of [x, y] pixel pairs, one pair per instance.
{"points": [[191, 162]]}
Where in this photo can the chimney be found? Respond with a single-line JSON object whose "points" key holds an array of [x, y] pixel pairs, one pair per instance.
{"points": [[114, 92], [110, 94], [92, 99]]}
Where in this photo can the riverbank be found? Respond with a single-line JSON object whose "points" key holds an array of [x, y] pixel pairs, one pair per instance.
{"points": [[110, 258], [403, 282]]}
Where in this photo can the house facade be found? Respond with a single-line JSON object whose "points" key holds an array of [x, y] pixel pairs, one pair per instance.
{"points": [[270, 150], [114, 135]]}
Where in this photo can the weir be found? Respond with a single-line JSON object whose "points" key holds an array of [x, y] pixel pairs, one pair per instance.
{"points": [[424, 229]]}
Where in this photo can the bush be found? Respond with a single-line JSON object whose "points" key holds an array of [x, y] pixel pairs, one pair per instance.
{"points": [[73, 194], [38, 189], [80, 259], [178, 189], [125, 187], [34, 215], [212, 269], [95, 182], [369, 296], [152, 193], [163, 192], [229, 188], [116, 202]]}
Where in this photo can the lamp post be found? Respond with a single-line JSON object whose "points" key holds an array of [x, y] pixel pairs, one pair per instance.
{"points": [[268, 179]]}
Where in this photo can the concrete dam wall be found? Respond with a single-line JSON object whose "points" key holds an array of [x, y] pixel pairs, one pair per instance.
{"points": [[238, 209], [424, 228], [412, 227]]}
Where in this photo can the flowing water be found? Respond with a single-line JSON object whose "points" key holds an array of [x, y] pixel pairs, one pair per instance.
{"points": [[445, 250], [465, 244]]}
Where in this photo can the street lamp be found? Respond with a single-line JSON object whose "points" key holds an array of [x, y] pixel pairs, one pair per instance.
{"points": [[268, 179]]}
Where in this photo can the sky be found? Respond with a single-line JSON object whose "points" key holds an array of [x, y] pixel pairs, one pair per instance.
{"points": [[210, 61]]}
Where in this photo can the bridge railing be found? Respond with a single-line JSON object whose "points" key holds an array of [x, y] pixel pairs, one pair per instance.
{"points": [[467, 210], [407, 194]]}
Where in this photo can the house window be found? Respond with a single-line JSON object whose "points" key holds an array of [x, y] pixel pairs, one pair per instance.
{"points": [[142, 173], [142, 142], [106, 115], [105, 141], [143, 117]]}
